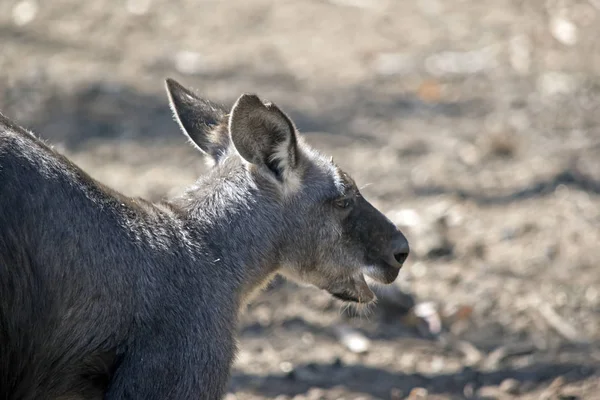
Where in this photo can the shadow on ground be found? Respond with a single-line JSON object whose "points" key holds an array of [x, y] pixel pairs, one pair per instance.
{"points": [[383, 382], [110, 111], [571, 176]]}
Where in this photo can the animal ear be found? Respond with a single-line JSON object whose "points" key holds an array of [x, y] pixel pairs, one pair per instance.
{"points": [[263, 135], [201, 121]]}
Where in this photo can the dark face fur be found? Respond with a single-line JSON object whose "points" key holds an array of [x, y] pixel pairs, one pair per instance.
{"points": [[333, 236]]}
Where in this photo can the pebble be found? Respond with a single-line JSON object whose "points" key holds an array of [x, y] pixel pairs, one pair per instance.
{"points": [[353, 340], [138, 7], [418, 270], [388, 64], [418, 393], [427, 311], [316, 393], [430, 7], [24, 12], [564, 31], [365, 4], [469, 154], [520, 54], [189, 62], [286, 367], [437, 365], [554, 83], [489, 392], [461, 63], [308, 338], [510, 386], [407, 217], [592, 295], [396, 394]]}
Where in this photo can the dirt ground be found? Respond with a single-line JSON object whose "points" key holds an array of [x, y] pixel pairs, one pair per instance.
{"points": [[474, 124]]}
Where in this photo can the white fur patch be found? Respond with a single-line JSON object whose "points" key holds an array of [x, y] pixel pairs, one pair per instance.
{"points": [[291, 176], [337, 179]]}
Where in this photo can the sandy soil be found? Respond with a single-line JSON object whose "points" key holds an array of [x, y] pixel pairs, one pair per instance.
{"points": [[473, 123]]}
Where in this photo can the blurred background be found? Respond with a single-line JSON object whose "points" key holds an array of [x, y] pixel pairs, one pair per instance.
{"points": [[473, 124]]}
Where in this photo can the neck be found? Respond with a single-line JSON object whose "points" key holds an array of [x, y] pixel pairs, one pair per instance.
{"points": [[241, 229]]}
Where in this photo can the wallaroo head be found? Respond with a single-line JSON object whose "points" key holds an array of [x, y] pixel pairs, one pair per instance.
{"points": [[329, 235]]}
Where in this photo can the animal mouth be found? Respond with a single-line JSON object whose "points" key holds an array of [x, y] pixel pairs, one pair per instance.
{"points": [[345, 297], [382, 273], [355, 291]]}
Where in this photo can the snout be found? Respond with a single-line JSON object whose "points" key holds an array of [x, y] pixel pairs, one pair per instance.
{"points": [[387, 269], [398, 251]]}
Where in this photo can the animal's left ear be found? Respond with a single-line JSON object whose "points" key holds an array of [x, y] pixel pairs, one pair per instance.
{"points": [[264, 136], [203, 122]]}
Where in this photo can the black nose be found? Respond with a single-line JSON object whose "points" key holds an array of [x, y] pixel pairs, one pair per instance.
{"points": [[399, 250]]}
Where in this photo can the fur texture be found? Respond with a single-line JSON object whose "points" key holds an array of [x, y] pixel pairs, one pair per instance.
{"points": [[106, 296]]}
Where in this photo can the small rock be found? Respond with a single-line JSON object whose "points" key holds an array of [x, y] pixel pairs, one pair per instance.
{"points": [[520, 54], [555, 83], [406, 217], [286, 367], [316, 394], [418, 393], [564, 31], [189, 63], [437, 365], [471, 353], [592, 295], [430, 91], [24, 12], [396, 394], [510, 386], [491, 392], [353, 340], [418, 270], [308, 338], [427, 311], [430, 7], [138, 7], [366, 4], [469, 154], [461, 63], [388, 64]]}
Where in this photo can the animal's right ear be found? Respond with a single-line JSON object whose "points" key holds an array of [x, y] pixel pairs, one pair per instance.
{"points": [[264, 136], [203, 122]]}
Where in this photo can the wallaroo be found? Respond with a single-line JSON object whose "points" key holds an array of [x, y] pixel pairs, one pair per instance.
{"points": [[107, 296]]}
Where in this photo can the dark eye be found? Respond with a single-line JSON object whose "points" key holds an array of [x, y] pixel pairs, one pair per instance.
{"points": [[343, 203]]}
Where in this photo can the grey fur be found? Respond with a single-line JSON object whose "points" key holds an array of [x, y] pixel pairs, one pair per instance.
{"points": [[106, 296]]}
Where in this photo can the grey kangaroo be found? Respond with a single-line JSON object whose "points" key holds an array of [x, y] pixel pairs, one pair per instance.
{"points": [[107, 296]]}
